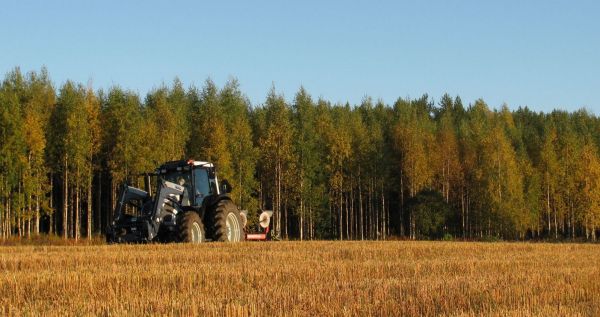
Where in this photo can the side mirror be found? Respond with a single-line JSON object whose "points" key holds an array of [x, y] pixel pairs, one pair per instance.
{"points": [[225, 187], [211, 172]]}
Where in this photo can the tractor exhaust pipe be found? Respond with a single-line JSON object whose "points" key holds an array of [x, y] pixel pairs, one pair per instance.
{"points": [[147, 185]]}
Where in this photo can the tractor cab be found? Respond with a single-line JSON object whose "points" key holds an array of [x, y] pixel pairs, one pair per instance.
{"points": [[197, 178]]}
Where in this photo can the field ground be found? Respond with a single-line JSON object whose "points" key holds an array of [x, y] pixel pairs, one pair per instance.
{"points": [[302, 278]]}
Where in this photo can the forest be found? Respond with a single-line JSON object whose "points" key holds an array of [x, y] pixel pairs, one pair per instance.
{"points": [[416, 169]]}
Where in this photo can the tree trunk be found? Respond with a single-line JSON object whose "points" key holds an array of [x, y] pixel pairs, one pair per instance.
{"points": [[285, 211], [278, 197], [8, 219], [312, 223], [352, 213], [65, 200], [401, 204], [89, 210], [77, 210], [346, 208], [388, 219], [467, 209], [113, 201], [368, 210], [341, 212], [383, 227], [19, 214], [376, 212], [462, 211], [37, 212], [555, 223], [360, 208], [52, 222], [301, 211], [548, 207], [99, 204], [573, 221], [2, 228], [29, 209]]}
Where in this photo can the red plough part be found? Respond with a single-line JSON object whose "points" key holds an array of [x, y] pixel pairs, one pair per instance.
{"points": [[263, 221], [258, 236]]}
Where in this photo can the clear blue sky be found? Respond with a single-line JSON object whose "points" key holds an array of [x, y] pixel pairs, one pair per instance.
{"points": [[543, 54]]}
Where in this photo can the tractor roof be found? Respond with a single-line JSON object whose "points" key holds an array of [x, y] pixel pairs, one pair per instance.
{"points": [[182, 163], [202, 163]]}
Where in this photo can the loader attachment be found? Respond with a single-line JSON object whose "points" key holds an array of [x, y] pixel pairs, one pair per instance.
{"points": [[138, 218], [129, 195]]}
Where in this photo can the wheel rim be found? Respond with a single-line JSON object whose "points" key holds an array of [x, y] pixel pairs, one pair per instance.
{"points": [[232, 228], [196, 233]]}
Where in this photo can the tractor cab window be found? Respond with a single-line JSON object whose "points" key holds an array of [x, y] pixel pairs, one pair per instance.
{"points": [[181, 178], [202, 185]]}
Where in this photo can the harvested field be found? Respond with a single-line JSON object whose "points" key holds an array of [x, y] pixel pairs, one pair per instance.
{"points": [[302, 278]]}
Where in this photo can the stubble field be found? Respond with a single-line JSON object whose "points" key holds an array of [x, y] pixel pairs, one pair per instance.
{"points": [[302, 278]]}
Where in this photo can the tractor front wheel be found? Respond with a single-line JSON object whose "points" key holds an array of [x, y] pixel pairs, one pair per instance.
{"points": [[190, 227]]}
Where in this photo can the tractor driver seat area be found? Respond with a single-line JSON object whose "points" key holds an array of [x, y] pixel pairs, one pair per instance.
{"points": [[185, 197]]}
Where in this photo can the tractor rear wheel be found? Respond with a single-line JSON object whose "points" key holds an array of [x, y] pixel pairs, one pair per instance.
{"points": [[190, 227], [226, 223]]}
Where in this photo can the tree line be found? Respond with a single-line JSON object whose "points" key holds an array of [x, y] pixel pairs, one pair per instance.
{"points": [[416, 168]]}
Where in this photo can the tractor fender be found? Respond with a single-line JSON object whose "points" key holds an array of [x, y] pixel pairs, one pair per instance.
{"points": [[211, 204], [216, 199]]}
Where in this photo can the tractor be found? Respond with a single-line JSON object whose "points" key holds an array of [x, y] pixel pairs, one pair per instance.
{"points": [[189, 205]]}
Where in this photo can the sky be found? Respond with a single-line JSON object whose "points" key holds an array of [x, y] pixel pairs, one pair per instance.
{"points": [[540, 54]]}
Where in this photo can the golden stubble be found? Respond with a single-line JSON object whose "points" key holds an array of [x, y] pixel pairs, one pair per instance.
{"points": [[395, 278]]}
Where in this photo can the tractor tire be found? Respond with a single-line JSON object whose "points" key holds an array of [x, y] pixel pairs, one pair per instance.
{"points": [[190, 227], [226, 223]]}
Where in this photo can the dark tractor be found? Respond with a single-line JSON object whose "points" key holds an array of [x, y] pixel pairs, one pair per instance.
{"points": [[189, 206]]}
